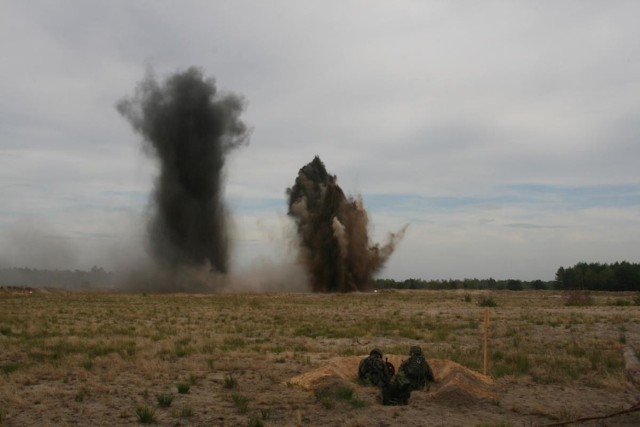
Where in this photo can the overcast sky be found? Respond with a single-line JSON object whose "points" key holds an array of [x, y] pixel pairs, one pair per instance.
{"points": [[506, 134]]}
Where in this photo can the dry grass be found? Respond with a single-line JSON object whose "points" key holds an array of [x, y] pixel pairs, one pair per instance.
{"points": [[105, 355]]}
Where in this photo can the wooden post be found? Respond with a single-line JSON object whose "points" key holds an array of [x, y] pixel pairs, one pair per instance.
{"points": [[486, 341]]}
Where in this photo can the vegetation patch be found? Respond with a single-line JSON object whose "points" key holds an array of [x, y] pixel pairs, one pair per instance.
{"points": [[81, 394], [578, 298], [328, 395], [146, 414], [185, 412], [183, 387], [230, 382], [164, 399], [486, 301], [240, 402], [9, 368]]}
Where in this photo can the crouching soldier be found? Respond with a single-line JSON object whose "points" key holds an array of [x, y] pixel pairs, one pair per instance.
{"points": [[413, 374], [416, 369], [373, 370], [397, 391]]}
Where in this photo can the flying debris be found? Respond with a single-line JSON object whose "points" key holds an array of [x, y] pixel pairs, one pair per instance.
{"points": [[333, 233]]}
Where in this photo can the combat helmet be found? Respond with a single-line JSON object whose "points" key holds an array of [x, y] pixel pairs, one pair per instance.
{"points": [[376, 352], [415, 350]]}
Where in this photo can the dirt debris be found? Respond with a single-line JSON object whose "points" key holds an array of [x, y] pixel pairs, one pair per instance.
{"points": [[455, 384]]}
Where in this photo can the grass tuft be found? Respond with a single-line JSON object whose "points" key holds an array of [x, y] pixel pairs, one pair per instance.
{"points": [[81, 394], [164, 399], [255, 422], [183, 387], [146, 414], [230, 382], [241, 403], [186, 412]]}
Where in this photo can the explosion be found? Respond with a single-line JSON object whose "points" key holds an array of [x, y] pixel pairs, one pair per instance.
{"points": [[333, 233], [190, 128]]}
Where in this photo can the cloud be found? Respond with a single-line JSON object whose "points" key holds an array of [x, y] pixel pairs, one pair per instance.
{"points": [[532, 226], [486, 126]]}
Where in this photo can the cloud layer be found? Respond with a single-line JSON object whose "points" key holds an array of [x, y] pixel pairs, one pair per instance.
{"points": [[506, 134]]}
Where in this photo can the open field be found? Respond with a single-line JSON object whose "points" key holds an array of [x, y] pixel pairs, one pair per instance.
{"points": [[71, 358]]}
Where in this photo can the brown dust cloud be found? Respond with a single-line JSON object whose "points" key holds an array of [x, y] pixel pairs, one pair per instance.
{"points": [[333, 233]]}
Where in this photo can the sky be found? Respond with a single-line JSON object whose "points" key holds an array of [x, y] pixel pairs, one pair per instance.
{"points": [[505, 134]]}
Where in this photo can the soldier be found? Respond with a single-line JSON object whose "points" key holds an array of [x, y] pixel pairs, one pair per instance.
{"points": [[374, 370], [413, 374], [416, 369], [397, 391]]}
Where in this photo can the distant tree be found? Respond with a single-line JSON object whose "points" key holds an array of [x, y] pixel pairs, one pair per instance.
{"points": [[514, 285], [538, 284], [620, 276]]}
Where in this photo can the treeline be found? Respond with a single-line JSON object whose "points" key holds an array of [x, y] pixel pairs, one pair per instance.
{"points": [[620, 276], [511, 284], [97, 277]]}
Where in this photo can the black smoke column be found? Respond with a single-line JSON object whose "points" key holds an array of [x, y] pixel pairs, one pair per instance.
{"points": [[333, 233], [190, 128]]}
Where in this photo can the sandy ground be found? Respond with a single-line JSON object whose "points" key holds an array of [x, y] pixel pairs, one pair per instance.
{"points": [[280, 389], [283, 394]]}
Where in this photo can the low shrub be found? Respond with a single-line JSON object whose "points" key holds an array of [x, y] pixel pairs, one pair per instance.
{"points": [[578, 298], [486, 301]]}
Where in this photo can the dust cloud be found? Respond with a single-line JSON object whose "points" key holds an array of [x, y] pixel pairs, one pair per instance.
{"points": [[333, 233]]}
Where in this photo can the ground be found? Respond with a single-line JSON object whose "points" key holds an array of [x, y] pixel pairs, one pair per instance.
{"points": [[81, 359]]}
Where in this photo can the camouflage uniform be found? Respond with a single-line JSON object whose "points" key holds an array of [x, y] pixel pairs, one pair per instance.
{"points": [[373, 369], [413, 374], [416, 369], [398, 391]]}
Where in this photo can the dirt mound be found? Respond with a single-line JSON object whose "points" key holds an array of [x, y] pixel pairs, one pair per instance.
{"points": [[458, 384], [454, 382]]}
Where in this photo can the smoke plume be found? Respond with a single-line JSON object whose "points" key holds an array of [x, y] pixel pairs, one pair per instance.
{"points": [[190, 128], [333, 233]]}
